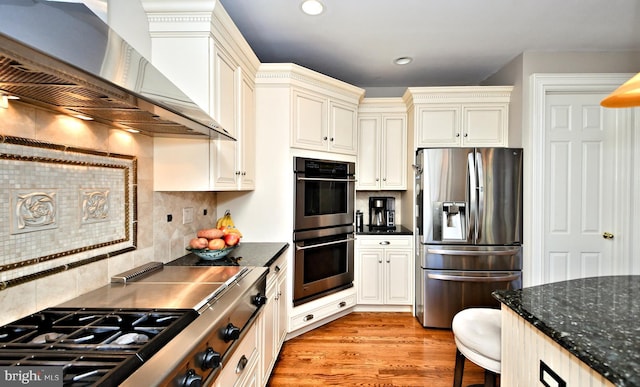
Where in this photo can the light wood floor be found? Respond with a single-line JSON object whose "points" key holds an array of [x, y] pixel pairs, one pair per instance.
{"points": [[371, 349]]}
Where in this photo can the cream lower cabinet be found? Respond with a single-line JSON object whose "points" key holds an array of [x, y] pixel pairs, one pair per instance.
{"points": [[242, 369], [382, 145], [274, 316], [463, 116], [384, 270]]}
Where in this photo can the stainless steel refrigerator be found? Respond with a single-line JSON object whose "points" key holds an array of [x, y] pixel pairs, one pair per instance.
{"points": [[468, 229]]}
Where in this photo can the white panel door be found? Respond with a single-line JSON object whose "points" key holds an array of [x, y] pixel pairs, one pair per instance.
{"points": [[580, 170]]}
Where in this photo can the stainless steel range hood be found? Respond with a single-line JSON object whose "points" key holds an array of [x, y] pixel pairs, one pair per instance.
{"points": [[63, 57]]}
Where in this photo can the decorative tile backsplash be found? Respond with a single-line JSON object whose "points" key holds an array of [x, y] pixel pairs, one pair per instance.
{"points": [[33, 211], [60, 201]]}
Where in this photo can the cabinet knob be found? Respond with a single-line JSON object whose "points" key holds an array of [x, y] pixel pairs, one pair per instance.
{"points": [[607, 235], [466, 134], [457, 134], [325, 138], [331, 139]]}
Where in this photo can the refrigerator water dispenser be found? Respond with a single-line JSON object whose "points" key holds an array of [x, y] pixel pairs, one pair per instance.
{"points": [[453, 216]]}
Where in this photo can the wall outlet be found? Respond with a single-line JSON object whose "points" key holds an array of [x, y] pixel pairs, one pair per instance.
{"points": [[187, 215]]}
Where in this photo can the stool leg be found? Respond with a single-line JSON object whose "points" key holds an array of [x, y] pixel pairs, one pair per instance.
{"points": [[457, 373], [489, 379]]}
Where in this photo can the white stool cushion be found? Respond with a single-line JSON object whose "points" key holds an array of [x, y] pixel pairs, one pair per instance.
{"points": [[477, 335]]}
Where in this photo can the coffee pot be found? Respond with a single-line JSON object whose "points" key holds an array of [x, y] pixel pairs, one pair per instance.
{"points": [[381, 211]]}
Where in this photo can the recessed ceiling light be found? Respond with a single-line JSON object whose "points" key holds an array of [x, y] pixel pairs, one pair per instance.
{"points": [[312, 7], [403, 60]]}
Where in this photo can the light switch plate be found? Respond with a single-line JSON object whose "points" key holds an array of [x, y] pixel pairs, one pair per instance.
{"points": [[187, 215]]}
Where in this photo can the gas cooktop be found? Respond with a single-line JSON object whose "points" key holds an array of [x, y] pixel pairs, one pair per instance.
{"points": [[158, 325], [92, 346]]}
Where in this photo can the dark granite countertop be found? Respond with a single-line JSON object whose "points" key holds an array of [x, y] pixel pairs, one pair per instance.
{"points": [[397, 230], [246, 254], [595, 319]]}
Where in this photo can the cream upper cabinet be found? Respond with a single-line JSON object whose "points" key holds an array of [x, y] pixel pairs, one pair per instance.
{"points": [[463, 116], [322, 112], [382, 145], [323, 123], [210, 60], [310, 120]]}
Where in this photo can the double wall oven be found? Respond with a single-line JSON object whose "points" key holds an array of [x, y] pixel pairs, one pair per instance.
{"points": [[323, 227]]}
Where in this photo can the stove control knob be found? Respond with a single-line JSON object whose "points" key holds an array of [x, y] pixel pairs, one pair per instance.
{"points": [[210, 359], [259, 300], [191, 379], [231, 332]]}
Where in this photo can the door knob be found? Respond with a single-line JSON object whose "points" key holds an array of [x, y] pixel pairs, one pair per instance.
{"points": [[607, 235]]}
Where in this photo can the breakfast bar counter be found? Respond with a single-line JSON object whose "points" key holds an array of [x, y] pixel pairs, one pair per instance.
{"points": [[595, 320]]}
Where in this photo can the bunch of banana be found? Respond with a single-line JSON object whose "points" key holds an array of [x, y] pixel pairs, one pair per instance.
{"points": [[225, 223]]}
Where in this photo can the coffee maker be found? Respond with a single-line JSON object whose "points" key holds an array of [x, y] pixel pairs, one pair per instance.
{"points": [[382, 212]]}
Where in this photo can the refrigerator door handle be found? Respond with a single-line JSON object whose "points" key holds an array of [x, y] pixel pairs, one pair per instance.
{"points": [[464, 278], [480, 188], [513, 251], [473, 186]]}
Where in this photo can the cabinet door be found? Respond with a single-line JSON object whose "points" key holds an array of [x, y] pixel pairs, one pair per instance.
{"points": [[393, 162], [282, 311], [370, 276], [225, 153], [398, 277], [269, 327], [368, 165], [484, 125], [309, 121], [438, 125], [247, 138], [343, 132]]}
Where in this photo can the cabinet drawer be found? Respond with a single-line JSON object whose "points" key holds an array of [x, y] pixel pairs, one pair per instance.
{"points": [[321, 312], [241, 361], [277, 268], [385, 242]]}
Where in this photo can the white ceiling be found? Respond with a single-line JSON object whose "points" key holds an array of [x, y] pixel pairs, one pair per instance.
{"points": [[453, 42]]}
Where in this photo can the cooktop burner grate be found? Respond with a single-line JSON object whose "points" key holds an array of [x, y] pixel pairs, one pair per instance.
{"points": [[92, 345]]}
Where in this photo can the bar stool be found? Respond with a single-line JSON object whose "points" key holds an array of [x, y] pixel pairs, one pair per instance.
{"points": [[477, 335]]}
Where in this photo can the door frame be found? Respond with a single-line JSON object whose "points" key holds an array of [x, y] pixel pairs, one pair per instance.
{"points": [[540, 85]]}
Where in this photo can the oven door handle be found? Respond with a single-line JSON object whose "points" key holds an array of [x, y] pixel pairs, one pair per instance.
{"points": [[324, 244], [325, 179], [464, 278]]}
